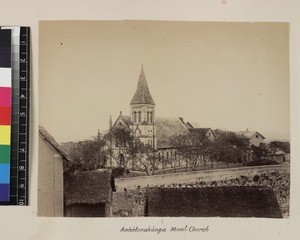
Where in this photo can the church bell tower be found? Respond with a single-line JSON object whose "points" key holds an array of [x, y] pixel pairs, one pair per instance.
{"points": [[142, 113]]}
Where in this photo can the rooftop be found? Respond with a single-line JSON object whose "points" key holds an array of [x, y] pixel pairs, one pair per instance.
{"points": [[50, 139], [88, 187], [142, 94]]}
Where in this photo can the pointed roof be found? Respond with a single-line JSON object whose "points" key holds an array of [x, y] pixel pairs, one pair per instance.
{"points": [[47, 137], [249, 134], [142, 94]]}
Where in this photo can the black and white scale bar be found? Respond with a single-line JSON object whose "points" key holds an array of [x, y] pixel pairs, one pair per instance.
{"points": [[15, 50], [20, 116], [22, 168]]}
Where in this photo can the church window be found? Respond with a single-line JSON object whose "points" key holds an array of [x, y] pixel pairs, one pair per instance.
{"points": [[122, 160], [140, 116], [135, 116]]}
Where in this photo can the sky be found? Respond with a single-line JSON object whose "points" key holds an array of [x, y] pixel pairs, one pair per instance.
{"points": [[232, 76]]}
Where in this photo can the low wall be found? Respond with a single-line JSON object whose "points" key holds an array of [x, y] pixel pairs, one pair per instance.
{"points": [[189, 177]]}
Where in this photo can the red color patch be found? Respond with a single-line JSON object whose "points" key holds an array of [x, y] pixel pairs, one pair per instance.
{"points": [[5, 115]]}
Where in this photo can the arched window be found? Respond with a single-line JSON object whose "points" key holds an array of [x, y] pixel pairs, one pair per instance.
{"points": [[147, 116], [140, 116], [135, 116], [121, 160], [151, 117]]}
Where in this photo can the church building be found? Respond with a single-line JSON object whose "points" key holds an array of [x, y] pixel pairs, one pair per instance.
{"points": [[147, 127]]}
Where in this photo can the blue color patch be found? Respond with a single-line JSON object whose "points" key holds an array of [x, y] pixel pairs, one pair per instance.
{"points": [[4, 173]]}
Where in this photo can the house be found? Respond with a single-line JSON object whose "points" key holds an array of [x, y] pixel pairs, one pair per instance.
{"points": [[53, 162], [89, 193], [254, 138], [229, 201], [279, 148], [279, 156]]}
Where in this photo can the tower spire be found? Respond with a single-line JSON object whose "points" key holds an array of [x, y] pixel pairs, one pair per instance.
{"points": [[142, 94]]}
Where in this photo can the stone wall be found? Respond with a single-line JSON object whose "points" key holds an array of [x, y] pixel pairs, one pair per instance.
{"points": [[188, 177]]}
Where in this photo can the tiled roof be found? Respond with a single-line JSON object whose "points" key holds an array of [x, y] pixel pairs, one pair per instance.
{"points": [[166, 128], [142, 94]]}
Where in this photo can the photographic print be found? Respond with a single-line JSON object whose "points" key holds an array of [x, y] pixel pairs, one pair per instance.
{"points": [[164, 119]]}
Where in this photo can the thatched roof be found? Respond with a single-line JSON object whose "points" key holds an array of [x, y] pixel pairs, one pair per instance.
{"points": [[142, 94], [88, 187], [47, 137], [166, 128], [233, 201]]}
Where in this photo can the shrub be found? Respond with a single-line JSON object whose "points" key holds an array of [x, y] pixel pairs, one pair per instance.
{"points": [[261, 162], [256, 178], [119, 171]]}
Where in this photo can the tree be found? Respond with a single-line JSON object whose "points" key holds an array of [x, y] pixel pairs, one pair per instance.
{"points": [[229, 147], [142, 157], [260, 152], [122, 140], [87, 154], [147, 159], [280, 145], [193, 148]]}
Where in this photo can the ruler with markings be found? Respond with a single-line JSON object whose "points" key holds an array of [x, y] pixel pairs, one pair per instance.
{"points": [[20, 58]]}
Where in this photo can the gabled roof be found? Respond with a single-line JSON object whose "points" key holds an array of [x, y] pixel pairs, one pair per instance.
{"points": [[123, 119], [88, 187], [200, 131], [166, 128], [47, 137], [249, 134], [142, 94], [232, 201]]}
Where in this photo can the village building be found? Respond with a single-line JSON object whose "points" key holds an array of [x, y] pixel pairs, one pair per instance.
{"points": [[53, 162], [89, 193], [254, 138], [151, 130], [62, 192]]}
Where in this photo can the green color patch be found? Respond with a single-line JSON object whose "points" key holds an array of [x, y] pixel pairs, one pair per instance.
{"points": [[4, 154]]}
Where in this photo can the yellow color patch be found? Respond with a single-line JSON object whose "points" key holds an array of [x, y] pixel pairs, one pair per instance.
{"points": [[5, 135]]}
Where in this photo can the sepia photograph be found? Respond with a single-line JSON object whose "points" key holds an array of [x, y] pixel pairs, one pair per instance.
{"points": [[164, 119]]}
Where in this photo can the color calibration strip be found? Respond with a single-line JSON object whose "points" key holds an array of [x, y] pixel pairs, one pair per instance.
{"points": [[19, 115], [5, 113]]}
